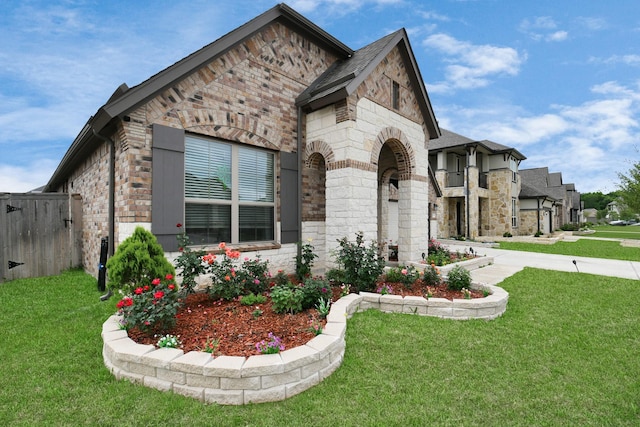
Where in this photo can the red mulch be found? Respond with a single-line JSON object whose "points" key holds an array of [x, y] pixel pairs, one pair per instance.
{"points": [[238, 327]]}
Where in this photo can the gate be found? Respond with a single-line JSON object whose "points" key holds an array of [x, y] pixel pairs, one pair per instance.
{"points": [[38, 234]]}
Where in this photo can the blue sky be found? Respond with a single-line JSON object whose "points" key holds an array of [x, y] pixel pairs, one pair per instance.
{"points": [[558, 80]]}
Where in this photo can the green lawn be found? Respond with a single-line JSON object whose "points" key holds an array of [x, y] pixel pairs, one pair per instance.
{"points": [[566, 352], [583, 247], [617, 232]]}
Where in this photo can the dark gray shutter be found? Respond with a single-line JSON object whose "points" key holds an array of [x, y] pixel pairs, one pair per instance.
{"points": [[167, 188], [289, 198]]}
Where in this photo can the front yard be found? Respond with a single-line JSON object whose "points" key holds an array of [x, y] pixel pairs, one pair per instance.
{"points": [[566, 352]]}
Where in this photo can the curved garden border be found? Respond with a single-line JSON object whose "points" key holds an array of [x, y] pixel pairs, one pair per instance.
{"points": [[236, 380]]}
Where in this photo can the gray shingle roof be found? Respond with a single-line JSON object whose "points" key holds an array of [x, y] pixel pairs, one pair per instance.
{"points": [[453, 140]]}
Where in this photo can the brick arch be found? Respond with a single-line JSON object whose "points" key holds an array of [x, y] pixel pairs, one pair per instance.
{"points": [[402, 149], [318, 147], [230, 126]]}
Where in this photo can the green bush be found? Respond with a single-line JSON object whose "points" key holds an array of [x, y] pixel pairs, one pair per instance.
{"points": [[189, 262], [138, 260], [362, 265], [402, 274], [314, 290], [152, 307], [253, 299], [304, 261], [287, 298], [458, 278], [431, 276]]}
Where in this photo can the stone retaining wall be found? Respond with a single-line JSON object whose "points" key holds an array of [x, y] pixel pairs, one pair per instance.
{"points": [[235, 380]]}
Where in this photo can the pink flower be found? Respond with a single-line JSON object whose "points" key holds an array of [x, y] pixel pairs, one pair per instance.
{"points": [[256, 281], [404, 271]]}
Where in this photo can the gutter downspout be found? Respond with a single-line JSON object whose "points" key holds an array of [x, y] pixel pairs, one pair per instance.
{"points": [[538, 213], [299, 149], [467, 194], [111, 215]]}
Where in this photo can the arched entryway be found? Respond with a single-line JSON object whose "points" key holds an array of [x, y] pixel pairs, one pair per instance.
{"points": [[394, 169]]}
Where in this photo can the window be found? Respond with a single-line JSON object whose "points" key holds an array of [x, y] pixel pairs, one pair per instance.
{"points": [[395, 96], [514, 213], [229, 192], [513, 165]]}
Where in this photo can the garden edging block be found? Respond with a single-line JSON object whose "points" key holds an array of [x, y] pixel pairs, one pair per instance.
{"points": [[236, 380]]}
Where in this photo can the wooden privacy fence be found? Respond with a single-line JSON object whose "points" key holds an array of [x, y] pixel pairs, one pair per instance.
{"points": [[39, 234]]}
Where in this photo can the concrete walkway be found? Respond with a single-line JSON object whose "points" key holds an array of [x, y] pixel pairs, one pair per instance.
{"points": [[506, 263]]}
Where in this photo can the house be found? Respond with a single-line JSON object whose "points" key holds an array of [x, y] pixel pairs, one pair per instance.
{"points": [[546, 202], [271, 135], [479, 183]]}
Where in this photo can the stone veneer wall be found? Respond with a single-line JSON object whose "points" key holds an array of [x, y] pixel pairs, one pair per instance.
{"points": [[234, 380]]}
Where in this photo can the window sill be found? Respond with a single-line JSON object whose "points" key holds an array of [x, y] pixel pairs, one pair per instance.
{"points": [[241, 247]]}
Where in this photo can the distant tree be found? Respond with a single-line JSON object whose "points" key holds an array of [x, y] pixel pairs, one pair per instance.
{"points": [[630, 188], [597, 200]]}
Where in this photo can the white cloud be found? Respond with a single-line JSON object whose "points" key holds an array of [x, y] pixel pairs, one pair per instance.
{"points": [[630, 59], [472, 66], [592, 23], [542, 28], [21, 179]]}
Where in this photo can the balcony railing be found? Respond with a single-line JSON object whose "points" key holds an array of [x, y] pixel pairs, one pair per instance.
{"points": [[455, 179]]}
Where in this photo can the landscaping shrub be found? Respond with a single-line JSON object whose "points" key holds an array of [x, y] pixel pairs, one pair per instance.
{"points": [[431, 276], [361, 264], [405, 275], [313, 290], [458, 278], [137, 261], [151, 307], [304, 260], [189, 262], [287, 298]]}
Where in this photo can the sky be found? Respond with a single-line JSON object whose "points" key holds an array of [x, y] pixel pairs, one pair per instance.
{"points": [[557, 80]]}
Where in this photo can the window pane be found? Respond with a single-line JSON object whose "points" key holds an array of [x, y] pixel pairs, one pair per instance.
{"points": [[205, 224], [255, 175], [207, 169], [256, 223]]}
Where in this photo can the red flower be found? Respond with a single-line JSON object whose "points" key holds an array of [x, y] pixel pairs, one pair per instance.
{"points": [[158, 295], [146, 288], [180, 249], [138, 291], [120, 303], [179, 225], [125, 302], [171, 286], [168, 276], [155, 282]]}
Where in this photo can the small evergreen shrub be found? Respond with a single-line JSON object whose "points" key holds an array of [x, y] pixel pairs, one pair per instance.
{"points": [[189, 262], [304, 261], [137, 261], [405, 275], [458, 278]]}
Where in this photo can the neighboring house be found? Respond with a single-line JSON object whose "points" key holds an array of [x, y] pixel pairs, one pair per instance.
{"points": [[590, 215], [613, 210], [555, 203], [273, 134], [480, 186]]}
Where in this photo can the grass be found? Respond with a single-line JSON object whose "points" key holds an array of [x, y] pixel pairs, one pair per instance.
{"points": [[566, 352], [582, 247], [617, 232]]}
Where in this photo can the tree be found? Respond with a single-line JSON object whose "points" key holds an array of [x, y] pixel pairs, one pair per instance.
{"points": [[630, 188]]}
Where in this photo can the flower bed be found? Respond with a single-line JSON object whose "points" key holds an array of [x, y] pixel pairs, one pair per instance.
{"points": [[235, 380]]}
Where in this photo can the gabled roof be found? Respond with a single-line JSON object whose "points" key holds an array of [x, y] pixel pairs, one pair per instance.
{"points": [[530, 192], [452, 140], [125, 99], [341, 80], [549, 184], [345, 76]]}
